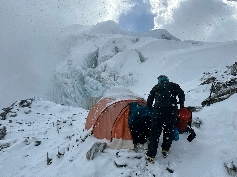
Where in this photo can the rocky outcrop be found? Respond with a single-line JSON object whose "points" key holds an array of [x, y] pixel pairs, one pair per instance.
{"points": [[221, 88], [8, 110], [221, 91]]}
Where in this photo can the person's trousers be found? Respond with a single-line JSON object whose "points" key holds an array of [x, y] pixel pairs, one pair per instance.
{"points": [[162, 119]]}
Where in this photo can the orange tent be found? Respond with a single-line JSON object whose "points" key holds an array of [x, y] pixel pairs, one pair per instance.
{"points": [[109, 117]]}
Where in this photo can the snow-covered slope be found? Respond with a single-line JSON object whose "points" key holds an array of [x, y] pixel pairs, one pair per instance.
{"points": [[105, 56], [94, 60], [95, 57], [47, 139]]}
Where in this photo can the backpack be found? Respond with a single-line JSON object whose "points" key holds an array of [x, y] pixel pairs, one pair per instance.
{"points": [[184, 119]]}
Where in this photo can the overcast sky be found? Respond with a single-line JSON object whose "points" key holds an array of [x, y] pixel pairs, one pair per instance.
{"points": [[206, 20]]}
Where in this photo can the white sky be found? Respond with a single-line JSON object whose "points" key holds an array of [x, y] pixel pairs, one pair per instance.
{"points": [[205, 20]]}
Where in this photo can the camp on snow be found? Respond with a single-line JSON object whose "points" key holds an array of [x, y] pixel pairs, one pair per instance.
{"points": [[110, 118]]}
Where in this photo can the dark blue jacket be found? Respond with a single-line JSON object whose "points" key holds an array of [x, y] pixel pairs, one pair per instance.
{"points": [[138, 112]]}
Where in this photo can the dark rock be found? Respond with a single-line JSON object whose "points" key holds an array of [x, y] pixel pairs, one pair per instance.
{"points": [[5, 111], [3, 115], [231, 167], [5, 145], [13, 115], [233, 69], [3, 132], [8, 109], [26, 103], [208, 80], [37, 143]]}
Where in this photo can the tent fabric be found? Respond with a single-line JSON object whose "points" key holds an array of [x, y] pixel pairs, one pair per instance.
{"points": [[109, 117], [103, 116], [121, 134], [96, 111], [121, 144], [122, 121], [103, 121]]}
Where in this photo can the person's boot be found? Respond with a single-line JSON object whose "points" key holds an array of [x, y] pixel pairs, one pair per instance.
{"points": [[150, 159], [164, 153]]}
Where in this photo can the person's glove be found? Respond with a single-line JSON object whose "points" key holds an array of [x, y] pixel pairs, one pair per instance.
{"points": [[181, 105]]}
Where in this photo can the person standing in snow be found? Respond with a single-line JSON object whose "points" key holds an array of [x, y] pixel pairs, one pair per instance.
{"points": [[164, 115]]}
